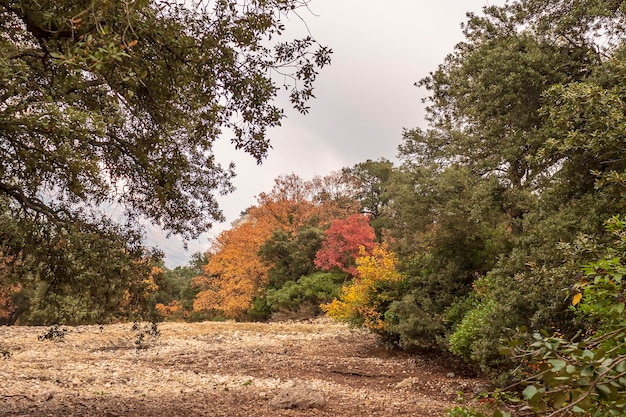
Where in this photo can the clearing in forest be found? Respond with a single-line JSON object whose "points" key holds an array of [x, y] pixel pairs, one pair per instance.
{"points": [[316, 368]]}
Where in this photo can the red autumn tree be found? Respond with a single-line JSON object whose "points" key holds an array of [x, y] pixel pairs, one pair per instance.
{"points": [[343, 240]]}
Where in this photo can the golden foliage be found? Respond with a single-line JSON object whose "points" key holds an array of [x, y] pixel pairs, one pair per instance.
{"points": [[172, 311], [235, 271], [361, 300]]}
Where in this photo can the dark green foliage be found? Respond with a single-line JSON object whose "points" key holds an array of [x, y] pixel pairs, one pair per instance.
{"points": [[450, 229], [290, 288], [78, 273], [188, 291], [500, 201], [372, 181], [584, 373], [110, 93], [170, 285], [290, 256], [528, 287], [260, 310], [177, 283], [110, 110], [308, 291]]}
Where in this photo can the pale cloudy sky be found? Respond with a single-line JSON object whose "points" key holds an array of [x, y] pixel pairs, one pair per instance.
{"points": [[364, 98]]}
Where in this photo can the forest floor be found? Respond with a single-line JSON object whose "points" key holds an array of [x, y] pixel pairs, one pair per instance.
{"points": [[317, 368]]}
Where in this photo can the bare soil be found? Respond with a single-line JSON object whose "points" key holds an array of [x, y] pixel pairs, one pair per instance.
{"points": [[221, 369]]}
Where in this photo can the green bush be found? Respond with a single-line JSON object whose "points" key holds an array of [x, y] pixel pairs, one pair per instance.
{"points": [[585, 374], [469, 412], [310, 290], [260, 310], [463, 340]]}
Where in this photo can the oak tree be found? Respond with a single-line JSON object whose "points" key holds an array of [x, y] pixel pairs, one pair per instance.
{"points": [[110, 110], [115, 102]]}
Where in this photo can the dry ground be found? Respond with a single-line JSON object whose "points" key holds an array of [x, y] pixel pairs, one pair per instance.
{"points": [[221, 369]]}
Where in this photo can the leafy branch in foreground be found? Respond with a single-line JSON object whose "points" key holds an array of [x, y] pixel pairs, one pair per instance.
{"points": [[585, 375], [117, 102], [109, 112]]}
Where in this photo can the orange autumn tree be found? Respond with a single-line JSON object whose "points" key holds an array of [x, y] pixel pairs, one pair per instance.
{"points": [[364, 300], [234, 272], [235, 275], [294, 202]]}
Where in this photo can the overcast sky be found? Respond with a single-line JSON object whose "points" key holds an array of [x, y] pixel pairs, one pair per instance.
{"points": [[364, 98]]}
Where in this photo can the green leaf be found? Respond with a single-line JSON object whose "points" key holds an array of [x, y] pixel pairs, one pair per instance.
{"points": [[588, 370], [559, 398], [583, 382], [605, 391], [587, 354], [557, 364], [532, 393]]}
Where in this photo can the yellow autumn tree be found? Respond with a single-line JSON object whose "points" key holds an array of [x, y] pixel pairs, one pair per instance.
{"points": [[364, 300]]}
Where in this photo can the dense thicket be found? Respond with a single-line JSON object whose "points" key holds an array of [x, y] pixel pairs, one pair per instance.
{"points": [[526, 124]]}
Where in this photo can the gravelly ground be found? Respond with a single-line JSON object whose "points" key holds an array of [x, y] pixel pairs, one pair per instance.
{"points": [[220, 369]]}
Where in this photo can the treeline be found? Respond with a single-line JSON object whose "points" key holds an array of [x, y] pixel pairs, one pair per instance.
{"points": [[286, 255]]}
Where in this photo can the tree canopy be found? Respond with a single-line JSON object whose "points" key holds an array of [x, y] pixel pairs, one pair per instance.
{"points": [[120, 102], [109, 112]]}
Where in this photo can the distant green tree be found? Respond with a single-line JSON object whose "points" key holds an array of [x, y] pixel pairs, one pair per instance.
{"points": [[291, 257], [305, 295], [372, 181], [177, 289]]}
